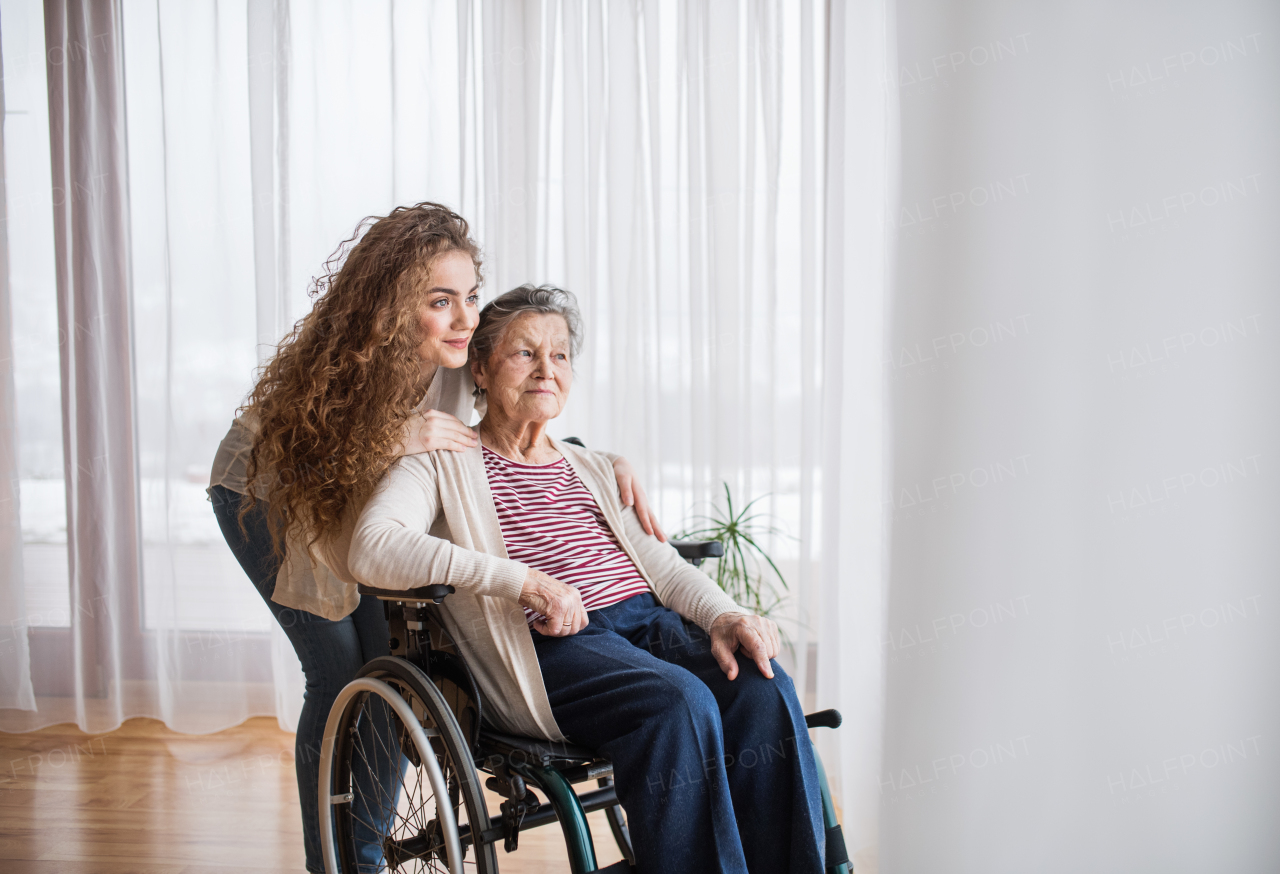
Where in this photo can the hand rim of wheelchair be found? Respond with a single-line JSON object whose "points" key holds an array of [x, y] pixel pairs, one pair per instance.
{"points": [[337, 856], [337, 716]]}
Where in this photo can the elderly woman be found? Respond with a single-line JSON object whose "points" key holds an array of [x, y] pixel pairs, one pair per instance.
{"points": [[581, 627]]}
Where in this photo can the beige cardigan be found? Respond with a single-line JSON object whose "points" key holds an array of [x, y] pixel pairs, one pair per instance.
{"points": [[432, 520]]}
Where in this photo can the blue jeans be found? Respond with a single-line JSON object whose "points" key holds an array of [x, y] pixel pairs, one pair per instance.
{"points": [[715, 776], [331, 654]]}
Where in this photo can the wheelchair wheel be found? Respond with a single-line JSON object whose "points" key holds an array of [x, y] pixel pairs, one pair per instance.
{"points": [[398, 787]]}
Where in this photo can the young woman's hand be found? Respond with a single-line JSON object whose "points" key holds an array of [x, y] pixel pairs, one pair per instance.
{"points": [[632, 494], [432, 430]]}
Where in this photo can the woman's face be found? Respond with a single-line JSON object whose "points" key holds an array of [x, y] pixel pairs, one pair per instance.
{"points": [[528, 376], [449, 312]]}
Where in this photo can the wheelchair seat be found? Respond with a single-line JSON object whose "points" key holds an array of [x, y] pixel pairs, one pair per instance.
{"points": [[547, 753]]}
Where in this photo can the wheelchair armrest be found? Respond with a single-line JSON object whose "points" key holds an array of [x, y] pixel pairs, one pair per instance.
{"points": [[435, 593], [824, 719], [698, 549]]}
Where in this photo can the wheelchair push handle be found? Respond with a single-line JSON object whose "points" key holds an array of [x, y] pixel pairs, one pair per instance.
{"points": [[824, 719], [691, 550]]}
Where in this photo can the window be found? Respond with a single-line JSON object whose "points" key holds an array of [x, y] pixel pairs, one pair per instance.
{"points": [[34, 306]]}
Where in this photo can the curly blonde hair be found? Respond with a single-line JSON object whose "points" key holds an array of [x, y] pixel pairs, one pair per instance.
{"points": [[332, 403]]}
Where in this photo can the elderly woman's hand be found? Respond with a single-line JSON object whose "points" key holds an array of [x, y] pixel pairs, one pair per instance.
{"points": [[560, 605], [632, 493], [433, 430], [755, 635]]}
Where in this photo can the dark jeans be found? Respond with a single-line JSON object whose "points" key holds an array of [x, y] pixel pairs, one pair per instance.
{"points": [[715, 776], [331, 653]]}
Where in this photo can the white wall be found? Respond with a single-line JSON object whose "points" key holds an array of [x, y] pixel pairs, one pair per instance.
{"points": [[1082, 653]]}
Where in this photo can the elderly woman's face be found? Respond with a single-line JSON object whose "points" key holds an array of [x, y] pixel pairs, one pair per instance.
{"points": [[527, 378]]}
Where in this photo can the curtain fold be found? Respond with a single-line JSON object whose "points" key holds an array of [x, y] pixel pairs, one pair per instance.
{"points": [[86, 132], [267, 30]]}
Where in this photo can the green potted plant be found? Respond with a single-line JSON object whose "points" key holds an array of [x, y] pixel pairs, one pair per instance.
{"points": [[746, 572]]}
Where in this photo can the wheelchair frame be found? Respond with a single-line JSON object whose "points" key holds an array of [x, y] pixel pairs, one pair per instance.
{"points": [[513, 763]]}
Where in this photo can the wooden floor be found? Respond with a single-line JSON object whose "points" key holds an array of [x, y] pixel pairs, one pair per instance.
{"points": [[145, 800]]}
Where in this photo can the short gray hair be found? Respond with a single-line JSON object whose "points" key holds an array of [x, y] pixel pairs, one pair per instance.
{"points": [[504, 309]]}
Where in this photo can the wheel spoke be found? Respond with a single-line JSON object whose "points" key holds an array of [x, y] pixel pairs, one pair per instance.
{"points": [[415, 802], [400, 826], [358, 745]]}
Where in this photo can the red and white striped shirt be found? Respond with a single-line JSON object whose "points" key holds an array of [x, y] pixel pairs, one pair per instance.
{"points": [[551, 522]]}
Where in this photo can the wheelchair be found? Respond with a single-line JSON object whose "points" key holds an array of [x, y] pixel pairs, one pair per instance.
{"points": [[405, 745]]}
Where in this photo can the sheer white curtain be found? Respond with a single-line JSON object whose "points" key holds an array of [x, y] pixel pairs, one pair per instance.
{"points": [[15, 665], [702, 175], [1082, 625], [257, 136], [633, 154], [35, 597], [672, 164]]}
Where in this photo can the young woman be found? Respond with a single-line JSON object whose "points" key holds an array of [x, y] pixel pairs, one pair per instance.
{"points": [[375, 371]]}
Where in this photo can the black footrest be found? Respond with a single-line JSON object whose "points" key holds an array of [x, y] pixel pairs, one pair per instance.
{"points": [[824, 719]]}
